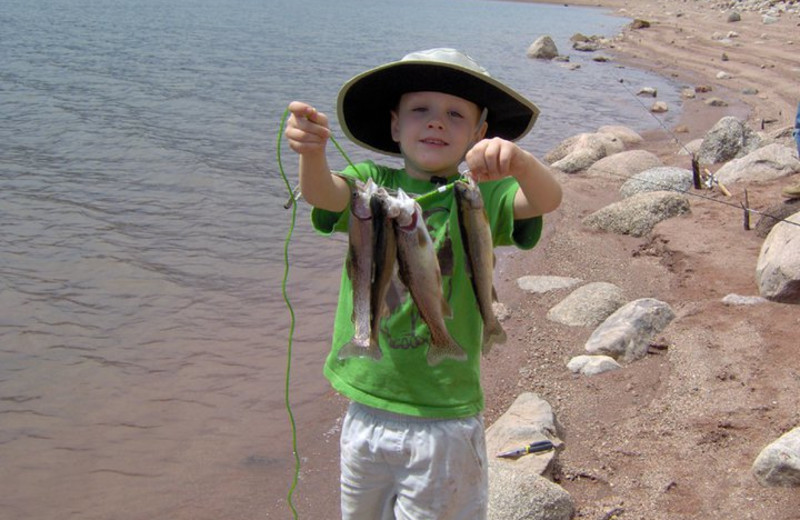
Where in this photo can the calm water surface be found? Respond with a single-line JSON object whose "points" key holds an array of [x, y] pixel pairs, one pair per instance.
{"points": [[143, 334]]}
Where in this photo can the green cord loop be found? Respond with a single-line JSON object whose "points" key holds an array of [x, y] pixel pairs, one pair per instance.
{"points": [[296, 475]]}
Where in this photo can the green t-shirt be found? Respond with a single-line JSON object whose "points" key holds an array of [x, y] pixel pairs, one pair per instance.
{"points": [[402, 381]]}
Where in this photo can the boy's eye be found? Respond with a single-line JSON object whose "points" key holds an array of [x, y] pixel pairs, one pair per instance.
{"points": [[455, 114]]}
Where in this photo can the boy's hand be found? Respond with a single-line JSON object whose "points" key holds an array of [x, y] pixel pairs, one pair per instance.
{"points": [[494, 159], [306, 130]]}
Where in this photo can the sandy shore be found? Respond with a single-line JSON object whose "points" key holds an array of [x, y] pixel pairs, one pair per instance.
{"points": [[674, 435], [686, 40]]}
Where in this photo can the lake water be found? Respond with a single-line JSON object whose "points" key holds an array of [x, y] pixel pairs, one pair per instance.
{"points": [[143, 335]]}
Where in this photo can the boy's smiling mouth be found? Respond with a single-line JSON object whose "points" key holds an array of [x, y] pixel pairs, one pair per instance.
{"points": [[433, 141]]}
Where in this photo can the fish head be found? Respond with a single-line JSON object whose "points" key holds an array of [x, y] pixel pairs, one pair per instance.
{"points": [[467, 192], [360, 195], [406, 208], [383, 204]]}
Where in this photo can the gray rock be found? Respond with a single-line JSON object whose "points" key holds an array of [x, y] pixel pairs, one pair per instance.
{"points": [[580, 152], [691, 147], [774, 214], [624, 165], [592, 365], [778, 267], [716, 102], [728, 138], [648, 91], [589, 46], [738, 299], [627, 333], [517, 487], [529, 419], [514, 495], [779, 463], [638, 215], [501, 311], [544, 48], [659, 107], [663, 178], [588, 306], [628, 136], [543, 284], [764, 164]]}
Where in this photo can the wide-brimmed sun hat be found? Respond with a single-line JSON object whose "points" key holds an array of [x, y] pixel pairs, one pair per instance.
{"points": [[366, 101]]}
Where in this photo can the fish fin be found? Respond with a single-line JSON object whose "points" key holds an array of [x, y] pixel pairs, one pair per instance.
{"points": [[354, 348], [451, 350]]}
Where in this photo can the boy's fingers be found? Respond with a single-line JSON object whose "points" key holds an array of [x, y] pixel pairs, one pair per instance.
{"points": [[302, 136], [305, 111]]}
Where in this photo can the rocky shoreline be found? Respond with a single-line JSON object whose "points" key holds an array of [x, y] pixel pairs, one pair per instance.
{"points": [[677, 432]]}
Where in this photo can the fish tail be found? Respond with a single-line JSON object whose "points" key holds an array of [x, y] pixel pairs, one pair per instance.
{"points": [[493, 334], [360, 348], [449, 349]]}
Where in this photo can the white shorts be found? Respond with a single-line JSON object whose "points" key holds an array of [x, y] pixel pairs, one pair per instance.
{"points": [[410, 468]]}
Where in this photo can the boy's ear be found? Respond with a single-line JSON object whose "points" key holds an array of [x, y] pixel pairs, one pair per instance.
{"points": [[395, 127], [480, 133]]}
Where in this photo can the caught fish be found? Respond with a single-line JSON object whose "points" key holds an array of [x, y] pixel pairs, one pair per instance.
{"points": [[360, 267], [419, 271], [477, 238], [384, 258]]}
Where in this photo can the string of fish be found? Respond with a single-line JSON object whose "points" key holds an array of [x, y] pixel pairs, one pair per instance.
{"points": [[391, 211]]}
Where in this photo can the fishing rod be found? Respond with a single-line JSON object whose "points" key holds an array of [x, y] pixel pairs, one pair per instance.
{"points": [[710, 180]]}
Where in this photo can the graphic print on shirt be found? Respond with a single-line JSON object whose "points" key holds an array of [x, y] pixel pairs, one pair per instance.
{"points": [[409, 330]]}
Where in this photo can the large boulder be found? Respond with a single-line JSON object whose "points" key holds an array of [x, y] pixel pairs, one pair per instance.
{"points": [[514, 495], [637, 215], [625, 134], [661, 178], [627, 334], [778, 267], [580, 152], [779, 463], [728, 139], [624, 165], [588, 305], [764, 164]]}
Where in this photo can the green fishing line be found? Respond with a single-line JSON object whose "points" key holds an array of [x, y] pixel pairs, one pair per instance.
{"points": [[293, 201], [296, 475]]}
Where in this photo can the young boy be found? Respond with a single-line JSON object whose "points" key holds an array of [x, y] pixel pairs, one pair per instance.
{"points": [[412, 442]]}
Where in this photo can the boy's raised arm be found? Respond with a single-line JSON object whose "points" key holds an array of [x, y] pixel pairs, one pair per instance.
{"points": [[307, 132]]}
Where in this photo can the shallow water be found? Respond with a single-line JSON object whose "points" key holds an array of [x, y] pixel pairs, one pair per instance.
{"points": [[143, 335]]}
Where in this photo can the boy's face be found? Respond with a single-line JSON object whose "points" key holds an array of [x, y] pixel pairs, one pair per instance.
{"points": [[434, 131]]}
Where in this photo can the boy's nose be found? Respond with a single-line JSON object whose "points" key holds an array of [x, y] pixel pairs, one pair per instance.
{"points": [[436, 122]]}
